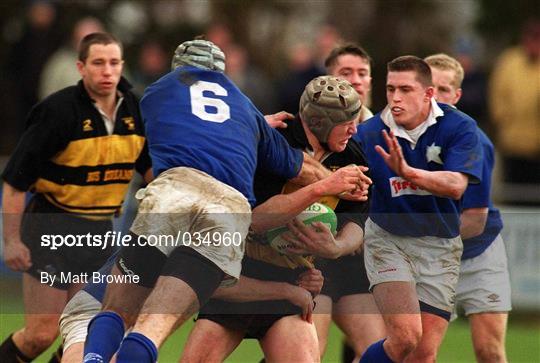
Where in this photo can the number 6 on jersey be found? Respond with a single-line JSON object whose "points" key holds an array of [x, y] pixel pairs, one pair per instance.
{"points": [[199, 102]]}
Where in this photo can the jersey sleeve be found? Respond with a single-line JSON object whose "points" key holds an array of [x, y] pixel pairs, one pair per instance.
{"points": [[464, 151], [47, 133], [143, 162], [275, 154], [478, 195]]}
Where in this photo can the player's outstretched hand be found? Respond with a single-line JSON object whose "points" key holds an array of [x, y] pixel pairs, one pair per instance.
{"points": [[17, 256], [316, 239], [394, 157], [277, 120], [312, 280]]}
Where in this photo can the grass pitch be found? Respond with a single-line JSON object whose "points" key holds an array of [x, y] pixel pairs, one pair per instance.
{"points": [[523, 339]]}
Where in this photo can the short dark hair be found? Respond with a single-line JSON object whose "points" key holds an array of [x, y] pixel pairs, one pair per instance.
{"points": [[412, 63], [96, 38], [349, 48]]}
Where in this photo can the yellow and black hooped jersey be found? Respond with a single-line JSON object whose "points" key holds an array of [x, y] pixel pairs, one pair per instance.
{"points": [[268, 185], [67, 156]]}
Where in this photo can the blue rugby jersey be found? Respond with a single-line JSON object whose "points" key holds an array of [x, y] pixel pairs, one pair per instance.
{"points": [[198, 118], [478, 196], [401, 207]]}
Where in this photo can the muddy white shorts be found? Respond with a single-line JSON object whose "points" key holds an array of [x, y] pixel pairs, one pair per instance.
{"points": [[76, 317], [430, 262], [187, 207]]}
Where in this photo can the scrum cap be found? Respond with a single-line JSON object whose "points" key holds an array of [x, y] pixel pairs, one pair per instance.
{"points": [[199, 53], [328, 101]]}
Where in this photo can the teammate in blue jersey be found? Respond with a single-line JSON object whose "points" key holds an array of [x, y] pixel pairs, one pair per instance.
{"points": [[205, 140], [483, 289], [412, 247]]}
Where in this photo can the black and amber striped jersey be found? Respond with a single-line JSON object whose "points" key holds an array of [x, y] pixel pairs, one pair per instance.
{"points": [[67, 155]]}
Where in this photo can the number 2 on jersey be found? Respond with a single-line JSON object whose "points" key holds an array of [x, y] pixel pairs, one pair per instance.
{"points": [[199, 102]]}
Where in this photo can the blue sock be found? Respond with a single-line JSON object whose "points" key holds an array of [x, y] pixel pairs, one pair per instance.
{"points": [[105, 333], [137, 348], [375, 354]]}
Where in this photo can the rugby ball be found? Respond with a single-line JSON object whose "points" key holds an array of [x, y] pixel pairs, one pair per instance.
{"points": [[316, 212]]}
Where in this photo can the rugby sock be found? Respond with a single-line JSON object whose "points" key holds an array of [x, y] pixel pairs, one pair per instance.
{"points": [[105, 333], [57, 356], [10, 353], [137, 348], [376, 354]]}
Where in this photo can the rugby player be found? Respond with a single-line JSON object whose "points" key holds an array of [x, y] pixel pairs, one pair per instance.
{"points": [[205, 139], [345, 297], [483, 289], [78, 154], [422, 155], [329, 113]]}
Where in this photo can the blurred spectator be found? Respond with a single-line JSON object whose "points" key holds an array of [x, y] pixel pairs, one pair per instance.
{"points": [[327, 39], [153, 62], [38, 41], [250, 79], [515, 107], [473, 100], [302, 69], [60, 71], [220, 35]]}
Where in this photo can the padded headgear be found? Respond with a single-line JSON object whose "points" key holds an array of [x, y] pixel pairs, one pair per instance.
{"points": [[199, 53], [328, 101]]}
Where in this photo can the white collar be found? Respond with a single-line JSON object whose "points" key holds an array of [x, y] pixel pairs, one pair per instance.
{"points": [[399, 131]]}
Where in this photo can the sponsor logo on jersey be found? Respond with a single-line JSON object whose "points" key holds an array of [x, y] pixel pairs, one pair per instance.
{"points": [[400, 186]]}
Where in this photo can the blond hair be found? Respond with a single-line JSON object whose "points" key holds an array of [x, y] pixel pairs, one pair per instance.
{"points": [[444, 62]]}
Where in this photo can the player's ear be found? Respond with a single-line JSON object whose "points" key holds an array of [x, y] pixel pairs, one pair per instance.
{"points": [[430, 91], [459, 92], [80, 67]]}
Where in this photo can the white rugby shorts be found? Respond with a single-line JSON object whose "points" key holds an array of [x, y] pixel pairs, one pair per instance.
{"points": [[432, 263], [76, 316], [197, 211], [484, 281]]}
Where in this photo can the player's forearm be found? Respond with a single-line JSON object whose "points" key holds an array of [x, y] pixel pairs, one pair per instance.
{"points": [[249, 289], [311, 172], [473, 222], [349, 239], [447, 184], [13, 208], [281, 208]]}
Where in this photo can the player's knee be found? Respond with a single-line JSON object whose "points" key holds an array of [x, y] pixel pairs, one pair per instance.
{"points": [[199, 356], [490, 352], [408, 339], [37, 341]]}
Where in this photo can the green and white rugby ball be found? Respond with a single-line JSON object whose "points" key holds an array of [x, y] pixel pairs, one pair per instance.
{"points": [[316, 212]]}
